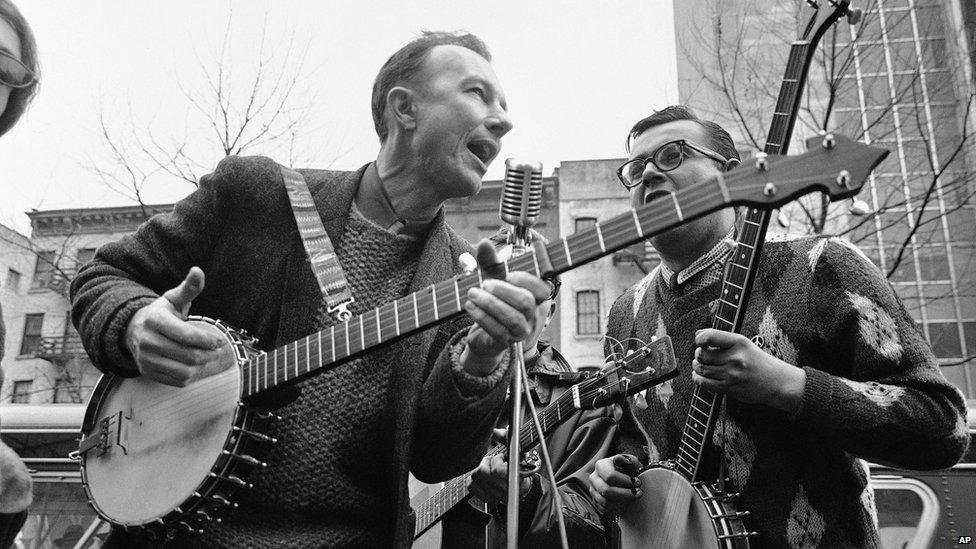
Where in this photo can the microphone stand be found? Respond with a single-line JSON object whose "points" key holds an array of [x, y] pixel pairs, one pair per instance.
{"points": [[519, 242]]}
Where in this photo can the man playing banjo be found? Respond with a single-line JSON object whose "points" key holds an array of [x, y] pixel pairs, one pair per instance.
{"points": [[337, 475], [828, 369]]}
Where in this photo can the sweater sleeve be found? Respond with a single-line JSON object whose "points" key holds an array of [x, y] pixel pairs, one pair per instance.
{"points": [[873, 386], [130, 273], [454, 420]]}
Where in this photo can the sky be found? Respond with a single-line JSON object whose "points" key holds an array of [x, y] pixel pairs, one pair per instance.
{"points": [[576, 74]]}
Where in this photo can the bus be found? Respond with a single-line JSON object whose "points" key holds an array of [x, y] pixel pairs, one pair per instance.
{"points": [[43, 436], [916, 509]]}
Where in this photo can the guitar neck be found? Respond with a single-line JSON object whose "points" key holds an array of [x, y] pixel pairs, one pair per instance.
{"points": [[347, 340], [456, 489]]}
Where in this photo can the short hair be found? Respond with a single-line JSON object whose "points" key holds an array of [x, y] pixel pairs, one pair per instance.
{"points": [[407, 62], [720, 140], [19, 97]]}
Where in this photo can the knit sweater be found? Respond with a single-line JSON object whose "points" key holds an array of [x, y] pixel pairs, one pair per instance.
{"points": [[329, 479], [873, 391], [239, 228]]}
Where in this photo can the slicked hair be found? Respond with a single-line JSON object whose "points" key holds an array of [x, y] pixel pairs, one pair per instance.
{"points": [[404, 65], [720, 140], [19, 97]]}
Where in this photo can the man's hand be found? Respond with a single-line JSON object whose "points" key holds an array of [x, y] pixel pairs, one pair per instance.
{"points": [[489, 482], [15, 482], [730, 363], [504, 311], [170, 350], [614, 484]]}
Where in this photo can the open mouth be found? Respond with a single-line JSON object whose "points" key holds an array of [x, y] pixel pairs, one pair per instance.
{"points": [[484, 150], [655, 194]]}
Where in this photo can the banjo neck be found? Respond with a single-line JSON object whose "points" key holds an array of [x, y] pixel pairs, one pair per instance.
{"points": [[741, 270]]}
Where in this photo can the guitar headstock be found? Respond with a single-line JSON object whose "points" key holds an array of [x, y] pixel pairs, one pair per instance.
{"points": [[833, 165], [826, 13], [650, 365]]}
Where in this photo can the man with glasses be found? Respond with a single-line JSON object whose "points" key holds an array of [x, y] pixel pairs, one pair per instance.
{"points": [[827, 371]]}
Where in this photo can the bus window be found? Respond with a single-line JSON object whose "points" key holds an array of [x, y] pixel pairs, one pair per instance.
{"points": [[43, 436]]}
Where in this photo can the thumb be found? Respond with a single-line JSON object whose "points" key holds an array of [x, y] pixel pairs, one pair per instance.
{"points": [[626, 464], [188, 290], [501, 435], [487, 255]]}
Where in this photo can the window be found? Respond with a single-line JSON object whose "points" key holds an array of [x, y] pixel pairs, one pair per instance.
{"points": [[944, 338], [64, 391], [32, 333], [908, 511], [13, 280], [969, 332], [43, 270], [583, 223], [83, 256], [22, 391], [588, 312]]}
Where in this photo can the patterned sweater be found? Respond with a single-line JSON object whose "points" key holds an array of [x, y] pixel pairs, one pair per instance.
{"points": [[873, 391]]}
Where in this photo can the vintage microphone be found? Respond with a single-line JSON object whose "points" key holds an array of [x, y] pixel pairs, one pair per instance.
{"points": [[519, 207]]}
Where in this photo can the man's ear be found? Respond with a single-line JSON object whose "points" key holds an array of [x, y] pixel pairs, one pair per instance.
{"points": [[402, 104], [730, 163]]}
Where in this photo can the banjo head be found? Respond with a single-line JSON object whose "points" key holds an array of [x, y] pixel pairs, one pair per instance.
{"points": [[161, 443], [668, 515]]}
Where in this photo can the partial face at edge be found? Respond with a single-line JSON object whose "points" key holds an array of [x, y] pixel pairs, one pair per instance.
{"points": [[9, 43]]}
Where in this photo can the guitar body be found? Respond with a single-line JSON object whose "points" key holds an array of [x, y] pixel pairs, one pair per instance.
{"points": [[676, 514], [159, 457], [419, 493]]}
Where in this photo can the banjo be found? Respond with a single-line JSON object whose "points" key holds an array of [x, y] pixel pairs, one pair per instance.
{"points": [[679, 507], [163, 459]]}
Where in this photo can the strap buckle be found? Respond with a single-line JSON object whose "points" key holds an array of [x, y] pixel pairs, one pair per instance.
{"points": [[341, 310]]}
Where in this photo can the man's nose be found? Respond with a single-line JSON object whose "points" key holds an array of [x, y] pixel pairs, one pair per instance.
{"points": [[652, 176], [499, 123]]}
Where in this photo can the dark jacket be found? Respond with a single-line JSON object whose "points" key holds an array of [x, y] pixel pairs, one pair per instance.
{"points": [[238, 227], [575, 445]]}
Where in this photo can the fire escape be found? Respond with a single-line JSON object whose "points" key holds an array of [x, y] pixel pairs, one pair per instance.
{"points": [[65, 351]]}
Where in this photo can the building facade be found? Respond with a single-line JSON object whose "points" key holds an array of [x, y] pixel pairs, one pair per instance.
{"points": [[43, 360]]}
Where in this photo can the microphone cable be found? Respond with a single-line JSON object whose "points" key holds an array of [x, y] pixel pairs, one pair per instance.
{"points": [[557, 499]]}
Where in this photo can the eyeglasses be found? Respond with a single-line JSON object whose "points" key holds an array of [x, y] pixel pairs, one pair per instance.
{"points": [[556, 283], [666, 158], [14, 73]]}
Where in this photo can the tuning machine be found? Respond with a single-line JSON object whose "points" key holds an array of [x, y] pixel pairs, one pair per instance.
{"points": [[858, 207]]}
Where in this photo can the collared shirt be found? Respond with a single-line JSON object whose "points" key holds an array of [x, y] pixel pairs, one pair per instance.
{"points": [[703, 271]]}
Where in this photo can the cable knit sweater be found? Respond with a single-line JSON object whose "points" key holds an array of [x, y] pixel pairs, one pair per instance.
{"points": [[338, 477], [873, 391]]}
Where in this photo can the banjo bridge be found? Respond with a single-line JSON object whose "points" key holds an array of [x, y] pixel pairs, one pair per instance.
{"points": [[108, 432]]}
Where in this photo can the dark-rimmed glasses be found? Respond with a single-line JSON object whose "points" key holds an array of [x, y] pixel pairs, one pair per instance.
{"points": [[666, 158], [13, 72]]}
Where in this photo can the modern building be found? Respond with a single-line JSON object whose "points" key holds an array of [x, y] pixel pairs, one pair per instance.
{"points": [[901, 78]]}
